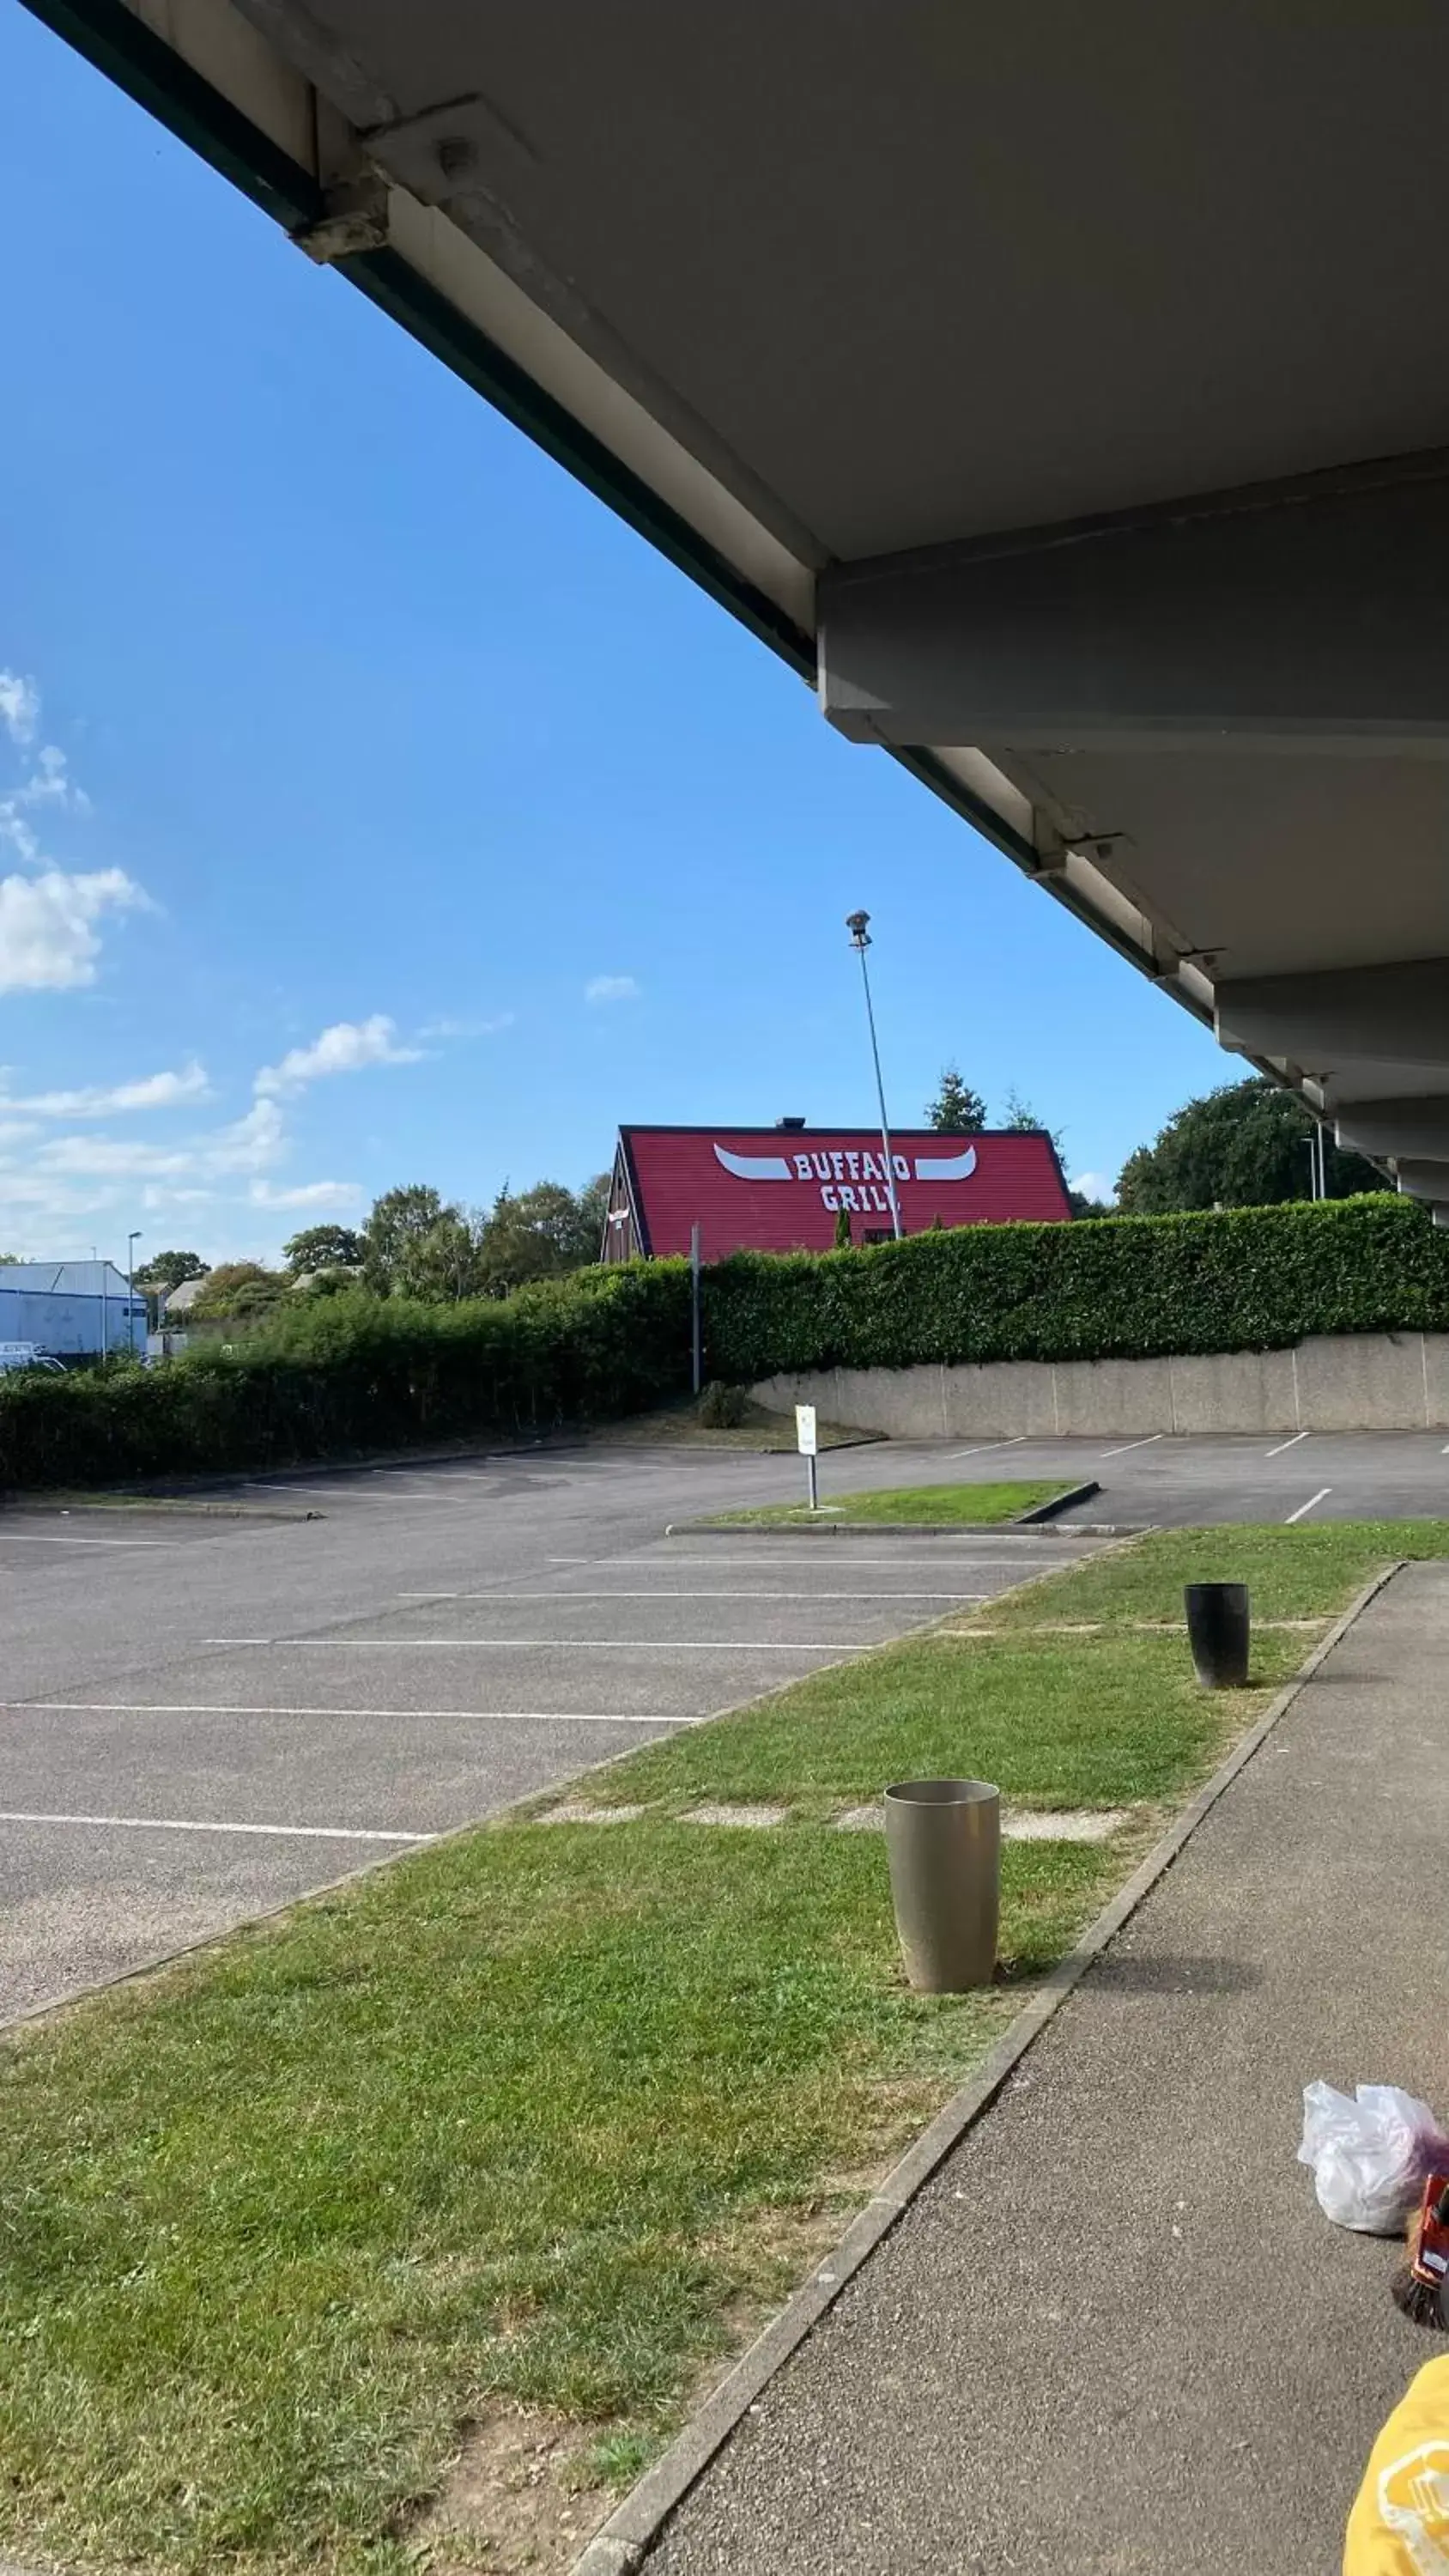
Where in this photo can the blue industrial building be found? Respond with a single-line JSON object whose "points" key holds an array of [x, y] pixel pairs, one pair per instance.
{"points": [[70, 1308]]}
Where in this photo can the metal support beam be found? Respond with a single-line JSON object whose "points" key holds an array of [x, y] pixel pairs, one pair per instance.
{"points": [[1316, 610]]}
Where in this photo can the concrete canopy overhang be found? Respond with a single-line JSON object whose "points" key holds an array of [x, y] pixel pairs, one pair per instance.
{"points": [[1065, 396], [1422, 1179]]}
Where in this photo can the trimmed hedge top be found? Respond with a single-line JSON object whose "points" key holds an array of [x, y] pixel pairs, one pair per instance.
{"points": [[1125, 1288], [357, 1372]]}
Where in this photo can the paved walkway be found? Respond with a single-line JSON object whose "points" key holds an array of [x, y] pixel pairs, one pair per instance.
{"points": [[1115, 2334]]}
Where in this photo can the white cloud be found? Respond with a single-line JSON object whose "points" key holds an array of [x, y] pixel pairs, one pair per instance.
{"points": [[155, 1198], [469, 1028], [20, 835], [1095, 1185], [19, 706], [50, 783], [347, 1047], [112, 1157], [48, 936], [250, 1143], [612, 988], [310, 1194], [149, 1091]]}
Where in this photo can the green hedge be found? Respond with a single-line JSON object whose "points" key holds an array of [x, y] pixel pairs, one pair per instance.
{"points": [[1128, 1288], [358, 1372]]}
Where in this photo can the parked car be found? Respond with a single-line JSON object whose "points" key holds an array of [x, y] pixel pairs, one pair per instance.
{"points": [[26, 1355]]}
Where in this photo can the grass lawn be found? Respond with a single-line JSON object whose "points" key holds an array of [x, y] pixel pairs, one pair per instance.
{"points": [[908, 1503], [548, 2116]]}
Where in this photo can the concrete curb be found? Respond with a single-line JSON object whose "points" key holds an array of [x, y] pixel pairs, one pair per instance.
{"points": [[1036, 1523], [32, 1506], [1055, 1503], [621, 2544]]}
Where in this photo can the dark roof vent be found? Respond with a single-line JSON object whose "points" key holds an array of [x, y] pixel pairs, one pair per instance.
{"points": [[791, 1126]]}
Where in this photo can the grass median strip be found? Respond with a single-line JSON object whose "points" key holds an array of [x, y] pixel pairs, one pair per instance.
{"points": [[546, 2118], [908, 1504]]}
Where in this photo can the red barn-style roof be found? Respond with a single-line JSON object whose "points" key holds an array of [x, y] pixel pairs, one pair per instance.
{"points": [[782, 1189]]}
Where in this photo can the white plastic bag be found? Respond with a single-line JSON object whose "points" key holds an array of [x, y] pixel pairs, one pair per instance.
{"points": [[1369, 2156]]}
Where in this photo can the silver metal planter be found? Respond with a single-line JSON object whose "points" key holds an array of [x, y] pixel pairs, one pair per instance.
{"points": [[943, 1841]]}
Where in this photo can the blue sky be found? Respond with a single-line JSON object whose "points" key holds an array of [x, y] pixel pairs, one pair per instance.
{"points": [[375, 808]]}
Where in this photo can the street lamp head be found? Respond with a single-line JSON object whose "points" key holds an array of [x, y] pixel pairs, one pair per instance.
{"points": [[858, 925]]}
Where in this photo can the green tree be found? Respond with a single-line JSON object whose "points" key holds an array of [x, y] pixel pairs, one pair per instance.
{"points": [[542, 1233], [842, 1230], [443, 1263], [167, 1270], [1021, 1120], [323, 1247], [593, 1210], [1245, 1145], [957, 1110], [235, 1290], [398, 1223]]}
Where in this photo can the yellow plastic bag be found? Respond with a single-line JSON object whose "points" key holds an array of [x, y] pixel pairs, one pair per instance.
{"points": [[1399, 2525]]}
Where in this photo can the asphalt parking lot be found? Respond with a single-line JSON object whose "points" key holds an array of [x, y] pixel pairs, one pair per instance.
{"points": [[1173, 1482], [206, 1716]]}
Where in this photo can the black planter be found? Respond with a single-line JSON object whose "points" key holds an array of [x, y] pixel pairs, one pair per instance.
{"points": [[1217, 1631]]}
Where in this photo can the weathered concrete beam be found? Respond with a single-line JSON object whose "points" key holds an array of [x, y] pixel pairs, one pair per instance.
{"points": [[1396, 1014], [1423, 1180], [1410, 1130], [1315, 610]]}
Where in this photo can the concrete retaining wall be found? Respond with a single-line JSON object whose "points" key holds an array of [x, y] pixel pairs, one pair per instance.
{"points": [[1348, 1382]]}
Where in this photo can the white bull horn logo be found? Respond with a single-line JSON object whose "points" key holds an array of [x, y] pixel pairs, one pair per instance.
{"points": [[947, 1167], [754, 1167]]}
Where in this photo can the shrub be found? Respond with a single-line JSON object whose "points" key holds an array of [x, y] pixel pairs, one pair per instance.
{"points": [[722, 1407], [325, 1376], [361, 1372], [1132, 1288]]}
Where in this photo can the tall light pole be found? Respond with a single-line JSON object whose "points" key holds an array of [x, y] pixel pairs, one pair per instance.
{"points": [[132, 1240], [858, 925]]}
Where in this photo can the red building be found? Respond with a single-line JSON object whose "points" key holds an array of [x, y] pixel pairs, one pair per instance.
{"points": [[782, 1188]]}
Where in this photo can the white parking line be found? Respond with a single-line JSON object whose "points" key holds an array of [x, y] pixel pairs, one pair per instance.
{"points": [[62, 1538], [1285, 1444], [844, 1556], [441, 1475], [1320, 1497], [347, 1494], [230, 1708], [192, 1825], [407, 1495], [718, 1594], [982, 1447], [574, 1645], [1133, 1444]]}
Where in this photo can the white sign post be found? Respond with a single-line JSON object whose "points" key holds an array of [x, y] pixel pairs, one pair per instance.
{"points": [[806, 1444]]}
